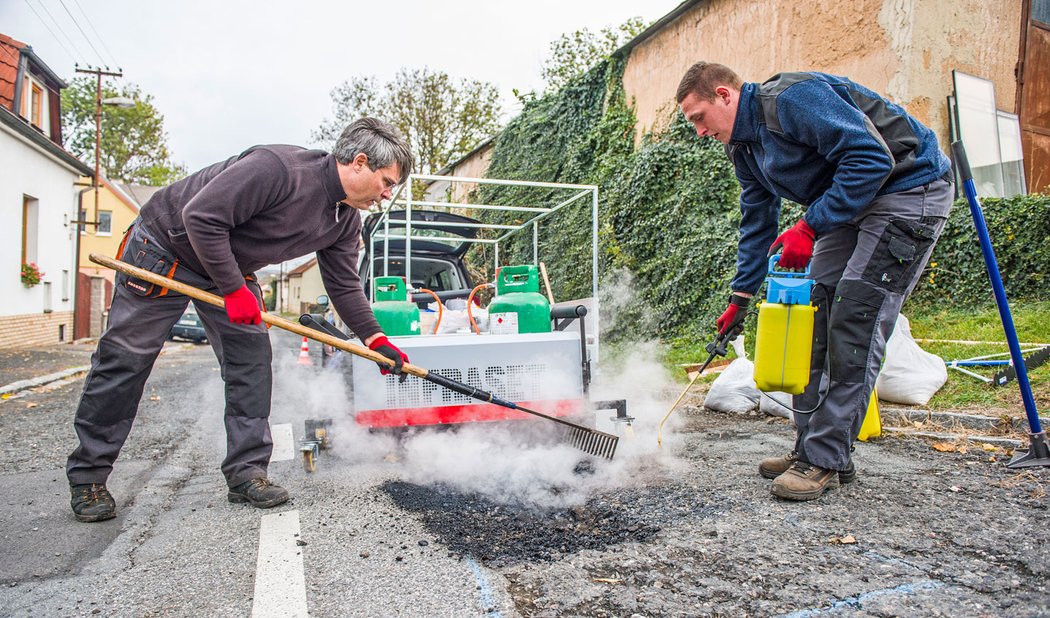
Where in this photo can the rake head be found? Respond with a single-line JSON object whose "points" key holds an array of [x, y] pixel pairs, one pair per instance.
{"points": [[592, 441]]}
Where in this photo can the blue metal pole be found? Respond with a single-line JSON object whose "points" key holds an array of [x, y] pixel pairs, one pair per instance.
{"points": [[1039, 453]]}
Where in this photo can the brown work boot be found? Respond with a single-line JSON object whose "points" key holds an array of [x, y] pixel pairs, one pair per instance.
{"points": [[772, 467], [804, 481], [92, 502], [261, 493]]}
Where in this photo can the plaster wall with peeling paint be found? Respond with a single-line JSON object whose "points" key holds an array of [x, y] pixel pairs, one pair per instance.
{"points": [[904, 49]]}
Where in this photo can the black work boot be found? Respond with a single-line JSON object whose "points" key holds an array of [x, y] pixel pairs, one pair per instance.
{"points": [[261, 493], [772, 467], [92, 502]]}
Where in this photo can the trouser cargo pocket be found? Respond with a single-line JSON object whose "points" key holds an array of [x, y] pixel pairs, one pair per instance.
{"points": [[141, 251], [900, 252]]}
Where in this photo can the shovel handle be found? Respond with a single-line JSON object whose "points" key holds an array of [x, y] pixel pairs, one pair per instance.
{"points": [[269, 318]]}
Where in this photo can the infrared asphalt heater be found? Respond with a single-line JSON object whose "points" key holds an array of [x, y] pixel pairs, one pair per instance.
{"points": [[591, 441]]}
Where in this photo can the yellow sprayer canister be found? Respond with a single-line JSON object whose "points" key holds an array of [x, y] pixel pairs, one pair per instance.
{"points": [[782, 347], [785, 332]]}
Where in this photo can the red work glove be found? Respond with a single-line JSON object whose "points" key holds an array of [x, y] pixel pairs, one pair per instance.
{"points": [[243, 307], [734, 313], [382, 345], [797, 242]]}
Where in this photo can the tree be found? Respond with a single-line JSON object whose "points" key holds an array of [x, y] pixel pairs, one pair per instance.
{"points": [[134, 145], [442, 119], [574, 53]]}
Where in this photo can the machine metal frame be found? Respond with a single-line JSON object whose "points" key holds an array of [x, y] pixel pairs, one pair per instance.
{"points": [[402, 198]]}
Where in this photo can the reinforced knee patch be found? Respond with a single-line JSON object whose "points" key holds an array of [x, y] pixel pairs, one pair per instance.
{"points": [[246, 369], [854, 318], [114, 386]]}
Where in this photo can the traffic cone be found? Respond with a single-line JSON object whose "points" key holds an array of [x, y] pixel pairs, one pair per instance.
{"points": [[304, 354]]}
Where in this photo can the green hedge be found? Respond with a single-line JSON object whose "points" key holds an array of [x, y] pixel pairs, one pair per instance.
{"points": [[1020, 231], [669, 215]]}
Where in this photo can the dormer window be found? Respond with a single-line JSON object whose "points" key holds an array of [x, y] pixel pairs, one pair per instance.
{"points": [[38, 96], [35, 104]]}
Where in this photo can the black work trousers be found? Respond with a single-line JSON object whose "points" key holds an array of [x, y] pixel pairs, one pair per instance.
{"points": [[140, 318]]}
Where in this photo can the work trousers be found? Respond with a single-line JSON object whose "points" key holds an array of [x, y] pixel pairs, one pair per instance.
{"points": [[140, 318], [863, 271]]}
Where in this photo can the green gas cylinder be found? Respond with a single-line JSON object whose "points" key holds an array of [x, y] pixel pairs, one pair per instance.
{"points": [[394, 312], [518, 306]]}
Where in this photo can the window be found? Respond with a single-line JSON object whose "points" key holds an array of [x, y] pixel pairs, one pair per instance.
{"points": [[34, 106], [65, 289], [1041, 11], [83, 217], [992, 138], [105, 223], [30, 226]]}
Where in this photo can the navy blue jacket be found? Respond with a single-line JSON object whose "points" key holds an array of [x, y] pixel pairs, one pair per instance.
{"points": [[826, 143]]}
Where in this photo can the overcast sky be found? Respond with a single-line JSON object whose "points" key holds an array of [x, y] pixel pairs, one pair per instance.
{"points": [[230, 74]]}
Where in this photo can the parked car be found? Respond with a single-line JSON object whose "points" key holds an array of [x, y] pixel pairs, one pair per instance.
{"points": [[437, 257], [189, 327]]}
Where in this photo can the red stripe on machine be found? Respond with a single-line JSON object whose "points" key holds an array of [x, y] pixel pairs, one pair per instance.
{"points": [[473, 413]]}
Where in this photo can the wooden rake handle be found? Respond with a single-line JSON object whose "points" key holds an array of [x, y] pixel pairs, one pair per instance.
{"points": [[269, 318]]}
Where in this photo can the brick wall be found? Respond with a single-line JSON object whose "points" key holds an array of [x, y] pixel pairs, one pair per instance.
{"points": [[35, 329]]}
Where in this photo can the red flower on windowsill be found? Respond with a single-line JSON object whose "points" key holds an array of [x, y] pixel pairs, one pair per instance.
{"points": [[31, 274]]}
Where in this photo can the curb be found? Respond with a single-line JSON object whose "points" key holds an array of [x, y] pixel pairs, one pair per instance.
{"points": [[948, 420], [951, 437], [22, 385]]}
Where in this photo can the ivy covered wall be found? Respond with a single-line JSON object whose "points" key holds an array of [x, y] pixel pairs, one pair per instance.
{"points": [[669, 213]]}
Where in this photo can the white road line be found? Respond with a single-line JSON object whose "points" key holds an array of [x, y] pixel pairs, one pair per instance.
{"points": [[280, 587], [283, 442]]}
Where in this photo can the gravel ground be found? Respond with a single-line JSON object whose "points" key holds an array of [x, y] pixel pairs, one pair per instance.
{"points": [[697, 533], [18, 364]]}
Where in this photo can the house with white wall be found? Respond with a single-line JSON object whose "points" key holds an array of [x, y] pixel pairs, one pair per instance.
{"points": [[39, 199], [304, 286]]}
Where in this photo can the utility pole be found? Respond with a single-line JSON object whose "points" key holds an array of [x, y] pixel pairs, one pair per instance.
{"points": [[98, 73]]}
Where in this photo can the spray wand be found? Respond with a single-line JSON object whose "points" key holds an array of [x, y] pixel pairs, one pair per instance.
{"points": [[715, 348]]}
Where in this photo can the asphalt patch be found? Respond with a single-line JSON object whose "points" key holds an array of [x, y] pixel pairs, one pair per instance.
{"points": [[501, 535]]}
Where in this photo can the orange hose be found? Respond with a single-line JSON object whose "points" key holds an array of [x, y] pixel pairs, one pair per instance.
{"points": [[470, 298], [440, 308]]}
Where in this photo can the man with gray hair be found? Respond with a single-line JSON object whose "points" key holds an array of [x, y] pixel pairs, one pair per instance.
{"points": [[212, 230]]}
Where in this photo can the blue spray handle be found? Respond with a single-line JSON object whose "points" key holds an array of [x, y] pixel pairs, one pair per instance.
{"points": [[787, 288], [775, 259]]}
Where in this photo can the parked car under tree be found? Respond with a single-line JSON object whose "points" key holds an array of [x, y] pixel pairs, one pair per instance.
{"points": [[189, 327]]}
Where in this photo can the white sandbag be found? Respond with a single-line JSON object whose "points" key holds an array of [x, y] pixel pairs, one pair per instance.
{"points": [[457, 321], [776, 403], [734, 390], [909, 375]]}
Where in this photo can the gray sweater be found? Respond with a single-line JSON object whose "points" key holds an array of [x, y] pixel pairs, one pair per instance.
{"points": [[264, 206]]}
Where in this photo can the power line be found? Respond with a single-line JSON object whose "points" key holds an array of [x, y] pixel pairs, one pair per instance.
{"points": [[84, 34], [59, 26], [97, 35], [53, 35]]}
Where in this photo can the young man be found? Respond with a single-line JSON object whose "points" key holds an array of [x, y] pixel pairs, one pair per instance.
{"points": [[212, 230], [877, 191]]}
